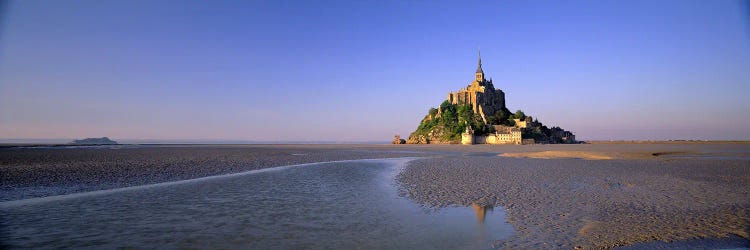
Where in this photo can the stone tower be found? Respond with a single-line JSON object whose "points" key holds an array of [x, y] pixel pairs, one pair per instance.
{"points": [[480, 94]]}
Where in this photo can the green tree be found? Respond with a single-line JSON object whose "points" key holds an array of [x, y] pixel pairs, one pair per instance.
{"points": [[478, 125], [445, 103], [499, 117], [432, 112], [449, 115], [465, 113], [452, 122], [520, 115]]}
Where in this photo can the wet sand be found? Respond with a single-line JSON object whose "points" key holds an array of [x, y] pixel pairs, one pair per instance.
{"points": [[37, 172], [634, 193], [343, 205], [562, 202], [561, 155]]}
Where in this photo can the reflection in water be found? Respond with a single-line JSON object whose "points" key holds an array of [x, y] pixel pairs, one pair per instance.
{"points": [[343, 205], [481, 211]]}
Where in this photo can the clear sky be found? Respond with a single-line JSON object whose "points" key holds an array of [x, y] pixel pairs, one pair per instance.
{"points": [[366, 70]]}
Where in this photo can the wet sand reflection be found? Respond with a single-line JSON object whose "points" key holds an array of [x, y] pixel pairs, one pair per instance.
{"points": [[481, 211]]}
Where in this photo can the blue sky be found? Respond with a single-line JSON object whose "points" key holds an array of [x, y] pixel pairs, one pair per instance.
{"points": [[366, 70]]}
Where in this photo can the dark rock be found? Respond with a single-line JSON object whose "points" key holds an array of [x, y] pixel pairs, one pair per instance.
{"points": [[94, 141]]}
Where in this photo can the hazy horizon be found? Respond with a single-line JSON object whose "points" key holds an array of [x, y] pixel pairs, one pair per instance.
{"points": [[307, 71], [179, 141], [42, 141]]}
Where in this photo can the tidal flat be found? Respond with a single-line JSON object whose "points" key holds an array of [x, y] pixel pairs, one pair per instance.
{"points": [[554, 196]]}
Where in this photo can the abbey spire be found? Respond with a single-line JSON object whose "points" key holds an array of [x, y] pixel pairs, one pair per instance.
{"points": [[480, 72]]}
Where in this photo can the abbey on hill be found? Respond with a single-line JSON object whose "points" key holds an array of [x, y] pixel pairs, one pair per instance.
{"points": [[477, 114], [480, 94]]}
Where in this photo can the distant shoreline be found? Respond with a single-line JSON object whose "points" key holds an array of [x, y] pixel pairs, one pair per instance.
{"points": [[31, 144]]}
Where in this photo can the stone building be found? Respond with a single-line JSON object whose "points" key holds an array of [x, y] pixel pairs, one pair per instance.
{"points": [[480, 94], [512, 137], [484, 100], [560, 135], [521, 124], [506, 135]]}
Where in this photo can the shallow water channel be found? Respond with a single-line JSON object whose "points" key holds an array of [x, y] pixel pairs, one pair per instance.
{"points": [[352, 204]]}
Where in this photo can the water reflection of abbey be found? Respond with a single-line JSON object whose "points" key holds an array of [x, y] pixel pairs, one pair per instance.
{"points": [[481, 211]]}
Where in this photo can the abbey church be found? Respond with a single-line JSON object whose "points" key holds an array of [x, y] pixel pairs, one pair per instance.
{"points": [[480, 94]]}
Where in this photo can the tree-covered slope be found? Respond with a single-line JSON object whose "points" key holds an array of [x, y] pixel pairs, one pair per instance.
{"points": [[446, 123]]}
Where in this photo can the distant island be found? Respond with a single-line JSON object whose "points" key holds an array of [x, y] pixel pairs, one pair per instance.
{"points": [[94, 141], [477, 115]]}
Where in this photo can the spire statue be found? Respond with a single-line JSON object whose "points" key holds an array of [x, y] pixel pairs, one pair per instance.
{"points": [[479, 68], [479, 76]]}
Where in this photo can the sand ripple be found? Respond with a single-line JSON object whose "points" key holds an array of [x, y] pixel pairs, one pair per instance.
{"points": [[569, 203], [561, 154]]}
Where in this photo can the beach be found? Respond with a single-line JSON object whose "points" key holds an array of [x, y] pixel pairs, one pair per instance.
{"points": [[555, 196]]}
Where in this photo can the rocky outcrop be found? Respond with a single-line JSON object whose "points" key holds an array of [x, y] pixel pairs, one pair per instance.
{"points": [[397, 140], [417, 139]]}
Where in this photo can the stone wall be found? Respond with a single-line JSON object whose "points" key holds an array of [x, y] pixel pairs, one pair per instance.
{"points": [[467, 139], [514, 137]]}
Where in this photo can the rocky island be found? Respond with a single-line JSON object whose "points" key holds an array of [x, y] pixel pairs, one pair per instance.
{"points": [[94, 141], [477, 114]]}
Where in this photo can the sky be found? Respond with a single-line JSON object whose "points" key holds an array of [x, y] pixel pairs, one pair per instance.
{"points": [[367, 70]]}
